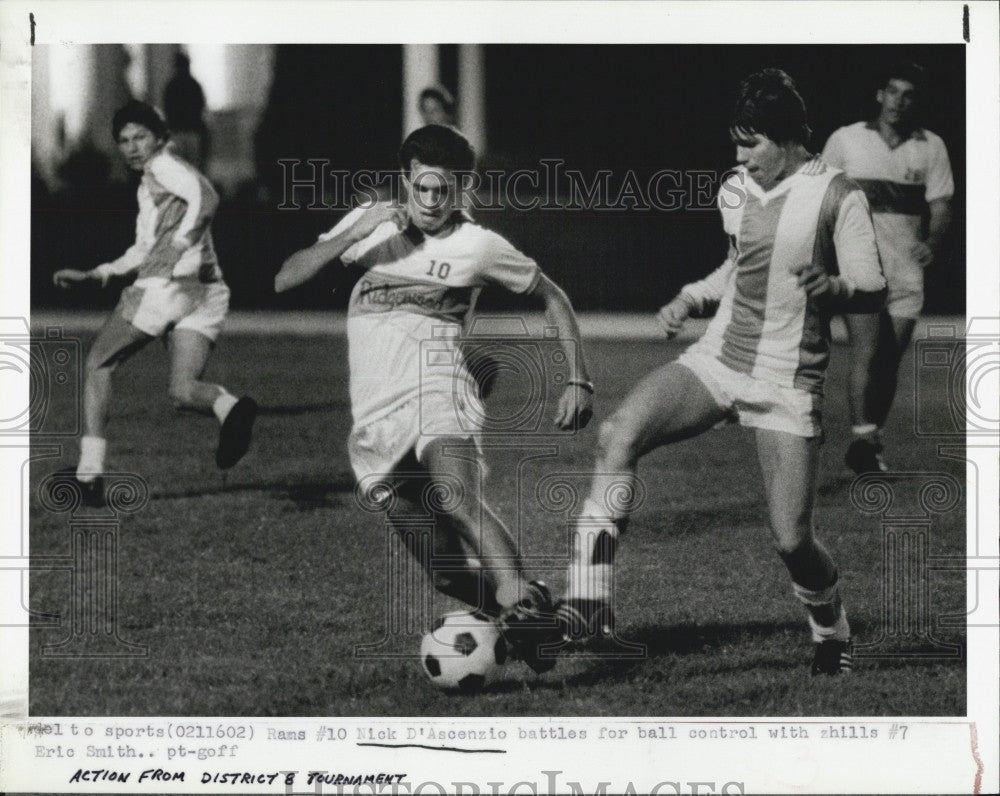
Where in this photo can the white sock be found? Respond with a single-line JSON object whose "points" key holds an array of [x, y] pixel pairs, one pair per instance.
{"points": [[839, 630], [223, 404], [865, 430], [91, 458], [585, 579]]}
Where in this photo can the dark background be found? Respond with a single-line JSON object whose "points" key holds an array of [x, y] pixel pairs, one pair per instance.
{"points": [[618, 107]]}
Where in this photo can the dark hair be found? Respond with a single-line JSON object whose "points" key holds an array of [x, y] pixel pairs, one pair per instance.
{"points": [[903, 70], [437, 145], [770, 104], [441, 94], [135, 112]]}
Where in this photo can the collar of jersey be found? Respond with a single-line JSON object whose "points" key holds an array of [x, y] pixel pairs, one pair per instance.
{"points": [[810, 168], [917, 133], [416, 236], [161, 152]]}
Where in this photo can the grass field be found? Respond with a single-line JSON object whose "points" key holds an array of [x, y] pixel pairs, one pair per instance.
{"points": [[252, 590]]}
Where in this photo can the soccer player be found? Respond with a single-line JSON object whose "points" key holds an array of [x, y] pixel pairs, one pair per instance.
{"points": [[178, 294], [425, 264], [904, 171], [802, 247]]}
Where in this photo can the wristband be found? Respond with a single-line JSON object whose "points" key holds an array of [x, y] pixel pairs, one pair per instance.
{"points": [[587, 385]]}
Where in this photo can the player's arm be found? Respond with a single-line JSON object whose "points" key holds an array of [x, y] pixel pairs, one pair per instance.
{"points": [[306, 263], [939, 189], [860, 286], [500, 263], [576, 406], [938, 225], [201, 199], [697, 296], [68, 277], [128, 262]]}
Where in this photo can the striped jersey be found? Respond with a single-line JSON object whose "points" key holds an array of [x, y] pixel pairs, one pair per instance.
{"points": [[415, 295], [173, 237], [898, 181], [766, 326]]}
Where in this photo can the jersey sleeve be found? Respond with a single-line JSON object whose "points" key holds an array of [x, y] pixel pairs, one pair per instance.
{"points": [[128, 262], [857, 253], [350, 255], [502, 264], [940, 184], [708, 291], [731, 200], [199, 196], [833, 153], [133, 257]]}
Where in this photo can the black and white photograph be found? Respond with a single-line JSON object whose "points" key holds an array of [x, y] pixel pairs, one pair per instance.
{"points": [[499, 398]]}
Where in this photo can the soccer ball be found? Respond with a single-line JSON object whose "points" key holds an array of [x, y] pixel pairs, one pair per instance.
{"points": [[463, 652]]}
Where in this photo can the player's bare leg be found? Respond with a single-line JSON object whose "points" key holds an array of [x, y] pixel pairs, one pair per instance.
{"points": [[526, 610], [864, 452], [472, 518], [189, 352], [115, 343], [452, 568], [789, 465], [894, 338], [458, 571], [668, 405]]}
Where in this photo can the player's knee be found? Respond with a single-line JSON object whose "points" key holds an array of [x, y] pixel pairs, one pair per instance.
{"points": [[616, 440]]}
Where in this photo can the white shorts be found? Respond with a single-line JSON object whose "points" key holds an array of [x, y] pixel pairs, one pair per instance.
{"points": [[376, 447], [756, 403], [905, 279], [155, 306]]}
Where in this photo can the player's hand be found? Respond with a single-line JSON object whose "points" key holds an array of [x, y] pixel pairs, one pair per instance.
{"points": [[378, 214], [673, 315], [813, 278], [68, 277], [576, 407], [922, 254], [180, 243]]}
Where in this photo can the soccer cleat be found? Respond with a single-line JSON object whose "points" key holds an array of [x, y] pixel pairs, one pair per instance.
{"points": [[864, 456], [92, 491], [832, 657], [530, 626], [234, 435], [580, 620]]}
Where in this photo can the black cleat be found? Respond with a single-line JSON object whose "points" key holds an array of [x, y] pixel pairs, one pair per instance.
{"points": [[92, 491], [864, 456], [832, 657], [531, 629], [583, 620], [234, 435]]}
